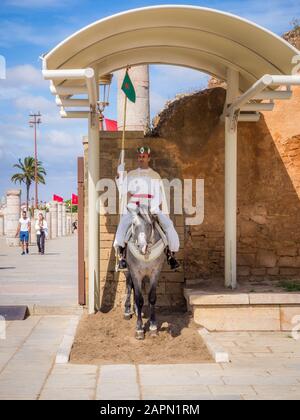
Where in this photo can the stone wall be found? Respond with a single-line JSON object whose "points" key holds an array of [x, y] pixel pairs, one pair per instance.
{"points": [[268, 185], [188, 143], [112, 285], [293, 37]]}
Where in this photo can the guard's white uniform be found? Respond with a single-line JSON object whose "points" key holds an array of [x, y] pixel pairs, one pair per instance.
{"points": [[146, 187]]}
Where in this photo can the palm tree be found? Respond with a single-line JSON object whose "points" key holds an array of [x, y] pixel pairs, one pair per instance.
{"points": [[26, 176]]}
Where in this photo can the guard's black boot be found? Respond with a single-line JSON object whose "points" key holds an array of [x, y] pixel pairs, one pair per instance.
{"points": [[173, 263], [122, 264]]}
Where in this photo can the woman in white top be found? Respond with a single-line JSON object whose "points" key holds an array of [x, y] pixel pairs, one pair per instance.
{"points": [[41, 228]]}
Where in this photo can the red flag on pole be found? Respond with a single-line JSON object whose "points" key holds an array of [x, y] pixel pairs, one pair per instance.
{"points": [[111, 125], [74, 200], [58, 198]]}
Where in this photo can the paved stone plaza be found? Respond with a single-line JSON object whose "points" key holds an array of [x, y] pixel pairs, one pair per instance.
{"points": [[263, 365], [49, 280]]}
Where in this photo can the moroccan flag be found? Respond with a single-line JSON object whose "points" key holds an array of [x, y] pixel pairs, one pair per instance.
{"points": [[111, 125], [58, 198], [74, 200], [128, 88]]}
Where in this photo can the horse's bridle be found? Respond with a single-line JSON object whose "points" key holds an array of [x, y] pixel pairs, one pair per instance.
{"points": [[151, 242]]}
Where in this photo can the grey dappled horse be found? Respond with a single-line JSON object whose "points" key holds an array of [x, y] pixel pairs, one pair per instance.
{"points": [[145, 259]]}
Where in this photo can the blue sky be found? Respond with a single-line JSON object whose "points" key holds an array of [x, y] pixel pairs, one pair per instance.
{"points": [[30, 28]]}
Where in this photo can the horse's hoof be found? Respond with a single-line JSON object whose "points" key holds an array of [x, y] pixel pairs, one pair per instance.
{"points": [[127, 317], [153, 331], [140, 335]]}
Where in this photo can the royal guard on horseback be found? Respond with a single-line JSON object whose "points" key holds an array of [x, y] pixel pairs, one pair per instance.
{"points": [[140, 188]]}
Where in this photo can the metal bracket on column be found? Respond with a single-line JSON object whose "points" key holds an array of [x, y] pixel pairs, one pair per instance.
{"points": [[234, 119], [94, 116]]}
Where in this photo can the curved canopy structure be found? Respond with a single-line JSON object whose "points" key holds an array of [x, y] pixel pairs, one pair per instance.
{"points": [[204, 39], [251, 59]]}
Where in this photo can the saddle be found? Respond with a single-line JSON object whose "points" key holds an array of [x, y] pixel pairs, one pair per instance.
{"points": [[155, 251]]}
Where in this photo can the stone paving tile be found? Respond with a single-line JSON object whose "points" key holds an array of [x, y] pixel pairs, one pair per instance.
{"points": [[280, 357], [270, 398], [118, 382], [232, 390], [175, 391], [15, 337], [72, 369], [68, 394], [61, 378], [260, 380], [233, 371], [177, 375], [25, 285], [19, 331], [250, 376], [71, 382], [278, 392], [109, 373], [26, 372], [249, 349], [200, 397], [118, 391], [191, 369]]}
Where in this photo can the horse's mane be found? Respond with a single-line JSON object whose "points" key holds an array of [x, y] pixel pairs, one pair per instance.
{"points": [[145, 214]]}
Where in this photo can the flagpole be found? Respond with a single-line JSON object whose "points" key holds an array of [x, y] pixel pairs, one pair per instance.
{"points": [[71, 215], [122, 160], [124, 131]]}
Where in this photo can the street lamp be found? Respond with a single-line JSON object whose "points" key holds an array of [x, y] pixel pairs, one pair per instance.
{"points": [[35, 120], [105, 83]]}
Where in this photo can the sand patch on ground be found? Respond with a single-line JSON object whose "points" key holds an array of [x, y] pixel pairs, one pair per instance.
{"points": [[106, 338]]}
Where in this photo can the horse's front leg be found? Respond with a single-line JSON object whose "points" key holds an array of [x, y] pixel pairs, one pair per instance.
{"points": [[152, 302], [139, 302], [129, 287]]}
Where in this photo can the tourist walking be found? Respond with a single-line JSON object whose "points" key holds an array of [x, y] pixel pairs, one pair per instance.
{"points": [[74, 226], [23, 232], [41, 228]]}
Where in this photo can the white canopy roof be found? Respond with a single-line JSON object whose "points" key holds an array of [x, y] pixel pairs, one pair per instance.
{"points": [[204, 39]]}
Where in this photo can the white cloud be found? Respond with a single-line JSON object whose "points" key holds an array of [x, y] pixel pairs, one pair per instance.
{"points": [[7, 93], [157, 102], [26, 76], [16, 33], [22, 34], [2, 149], [167, 81], [30, 103], [276, 15], [60, 138], [21, 79], [175, 78]]}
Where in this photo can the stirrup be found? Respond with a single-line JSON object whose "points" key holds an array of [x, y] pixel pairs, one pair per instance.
{"points": [[174, 264], [119, 268]]}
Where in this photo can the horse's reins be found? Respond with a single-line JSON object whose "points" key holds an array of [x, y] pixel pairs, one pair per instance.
{"points": [[151, 242]]}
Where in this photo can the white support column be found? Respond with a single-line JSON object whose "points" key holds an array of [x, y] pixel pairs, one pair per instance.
{"points": [[138, 114], [1, 225], [59, 220], [54, 219], [48, 220], [93, 216], [64, 219], [231, 183], [13, 214]]}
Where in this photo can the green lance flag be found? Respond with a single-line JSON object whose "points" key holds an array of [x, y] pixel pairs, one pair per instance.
{"points": [[128, 88]]}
